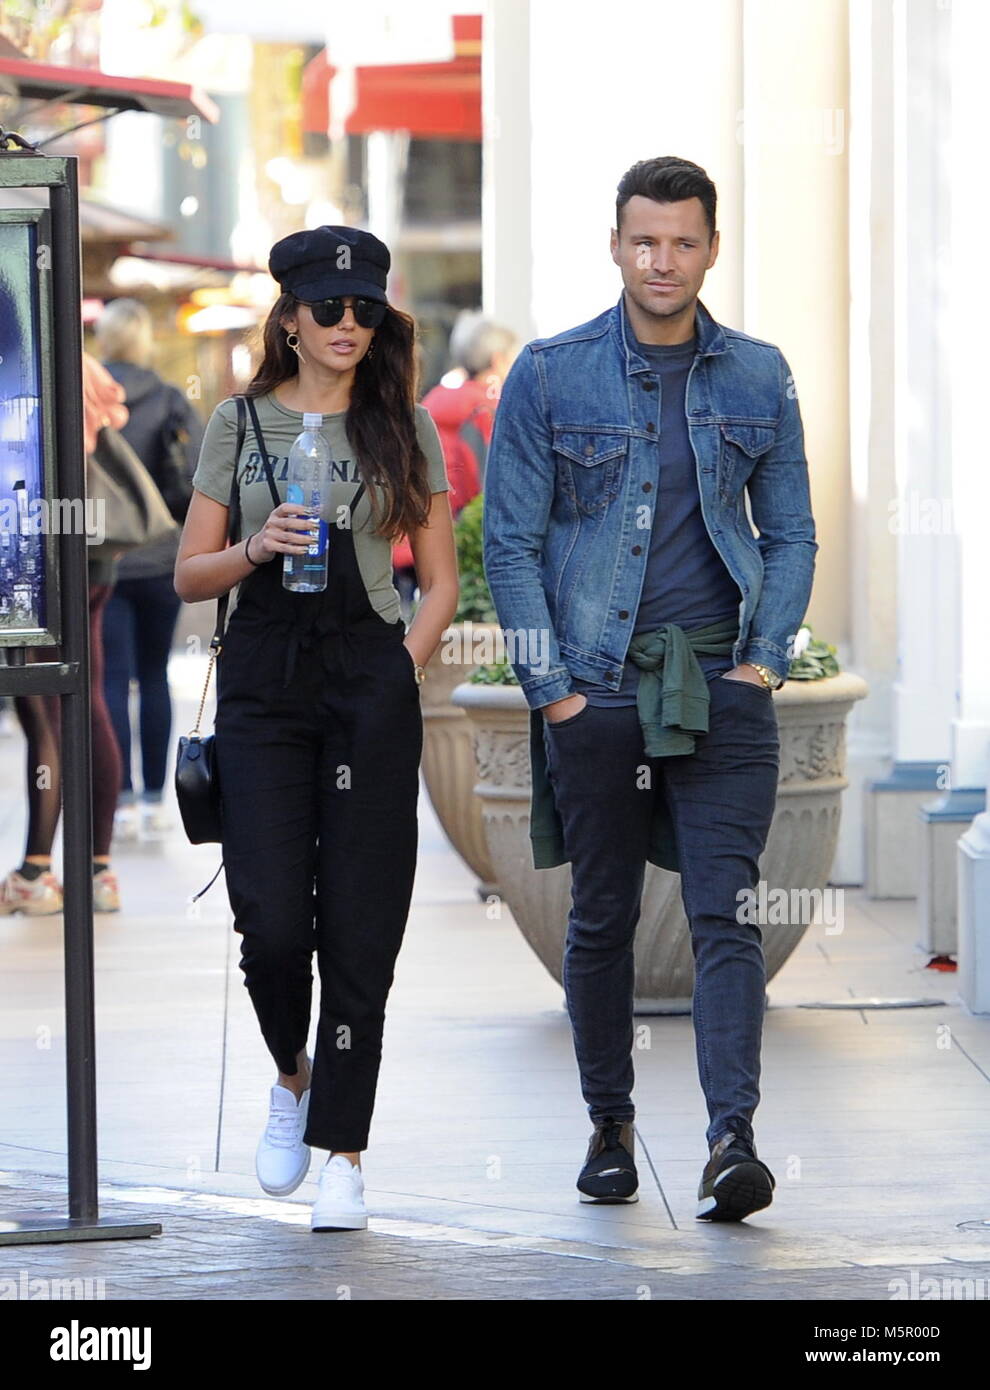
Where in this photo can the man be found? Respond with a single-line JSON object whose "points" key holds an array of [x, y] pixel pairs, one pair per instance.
{"points": [[648, 628]]}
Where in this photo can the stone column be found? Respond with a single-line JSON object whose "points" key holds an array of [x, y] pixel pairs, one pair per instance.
{"points": [[796, 279], [387, 157], [506, 192], [909, 510], [602, 95], [971, 492]]}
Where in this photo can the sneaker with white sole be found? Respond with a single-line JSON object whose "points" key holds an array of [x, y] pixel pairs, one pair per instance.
{"points": [[106, 891], [609, 1172], [340, 1203], [282, 1160], [156, 820], [126, 823], [735, 1183], [35, 897]]}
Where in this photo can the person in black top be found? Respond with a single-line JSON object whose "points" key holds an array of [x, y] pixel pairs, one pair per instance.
{"points": [[139, 621]]}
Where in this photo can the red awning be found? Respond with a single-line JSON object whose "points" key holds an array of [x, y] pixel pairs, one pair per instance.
{"points": [[430, 100], [90, 87]]}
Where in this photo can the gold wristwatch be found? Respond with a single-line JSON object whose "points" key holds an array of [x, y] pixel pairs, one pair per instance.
{"points": [[769, 678], [420, 673]]}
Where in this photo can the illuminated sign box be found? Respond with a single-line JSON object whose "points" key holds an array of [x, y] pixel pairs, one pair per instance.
{"points": [[31, 516]]}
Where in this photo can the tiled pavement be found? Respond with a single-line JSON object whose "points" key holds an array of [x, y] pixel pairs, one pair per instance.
{"points": [[217, 1247], [876, 1122]]}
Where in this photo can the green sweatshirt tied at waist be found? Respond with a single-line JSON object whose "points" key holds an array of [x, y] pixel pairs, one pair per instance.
{"points": [[672, 702]]}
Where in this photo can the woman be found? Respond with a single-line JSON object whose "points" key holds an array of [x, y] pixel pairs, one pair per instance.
{"points": [[164, 431], [319, 727], [33, 888]]}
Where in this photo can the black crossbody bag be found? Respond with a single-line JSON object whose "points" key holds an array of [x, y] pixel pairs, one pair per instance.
{"points": [[197, 786]]}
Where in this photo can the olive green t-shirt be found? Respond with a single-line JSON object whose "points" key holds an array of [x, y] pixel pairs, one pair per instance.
{"points": [[280, 426]]}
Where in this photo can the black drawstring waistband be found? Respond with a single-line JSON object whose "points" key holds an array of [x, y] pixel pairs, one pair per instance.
{"points": [[315, 626]]}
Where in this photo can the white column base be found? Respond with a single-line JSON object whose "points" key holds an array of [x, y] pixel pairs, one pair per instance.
{"points": [[893, 831], [867, 758], [973, 869], [942, 823]]}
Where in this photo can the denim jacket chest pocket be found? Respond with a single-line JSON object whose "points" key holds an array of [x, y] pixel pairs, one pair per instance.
{"points": [[740, 445], [589, 466]]}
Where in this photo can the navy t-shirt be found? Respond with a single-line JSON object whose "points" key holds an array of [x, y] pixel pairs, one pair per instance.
{"points": [[686, 581]]}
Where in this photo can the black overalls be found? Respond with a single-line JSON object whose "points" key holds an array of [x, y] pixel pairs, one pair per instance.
{"points": [[319, 736]]}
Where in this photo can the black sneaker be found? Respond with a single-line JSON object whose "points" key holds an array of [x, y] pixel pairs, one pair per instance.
{"points": [[609, 1172], [734, 1183]]}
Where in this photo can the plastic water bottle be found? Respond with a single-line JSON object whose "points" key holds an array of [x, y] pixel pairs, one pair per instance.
{"points": [[308, 482]]}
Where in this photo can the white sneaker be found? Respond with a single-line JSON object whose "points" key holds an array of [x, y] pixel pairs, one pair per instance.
{"points": [[282, 1159], [340, 1203], [35, 897], [156, 820], [106, 891], [125, 822]]}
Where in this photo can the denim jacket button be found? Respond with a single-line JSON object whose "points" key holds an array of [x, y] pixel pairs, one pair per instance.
{"points": [[589, 449], [647, 487], [623, 612], [651, 427], [637, 550]]}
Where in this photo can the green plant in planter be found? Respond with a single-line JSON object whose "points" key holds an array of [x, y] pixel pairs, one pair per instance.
{"points": [[817, 661], [494, 673], [475, 602]]}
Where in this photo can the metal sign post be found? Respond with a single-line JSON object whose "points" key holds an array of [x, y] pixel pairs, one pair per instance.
{"points": [[44, 603]]}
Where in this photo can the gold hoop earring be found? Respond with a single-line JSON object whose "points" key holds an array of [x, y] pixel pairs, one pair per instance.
{"points": [[294, 345]]}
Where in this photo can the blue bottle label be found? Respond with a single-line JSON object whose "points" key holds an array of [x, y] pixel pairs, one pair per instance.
{"points": [[319, 546], [294, 493]]}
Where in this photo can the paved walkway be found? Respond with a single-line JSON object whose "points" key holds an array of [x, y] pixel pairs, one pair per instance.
{"points": [[875, 1122]]}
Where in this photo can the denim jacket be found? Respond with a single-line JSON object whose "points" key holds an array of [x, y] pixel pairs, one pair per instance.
{"points": [[573, 456]]}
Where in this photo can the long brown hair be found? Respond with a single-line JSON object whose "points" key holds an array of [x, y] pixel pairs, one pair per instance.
{"points": [[380, 421]]}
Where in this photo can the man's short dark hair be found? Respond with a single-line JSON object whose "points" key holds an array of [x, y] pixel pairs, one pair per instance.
{"points": [[667, 179]]}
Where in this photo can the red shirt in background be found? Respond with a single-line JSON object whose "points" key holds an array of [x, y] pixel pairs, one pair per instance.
{"points": [[451, 407]]}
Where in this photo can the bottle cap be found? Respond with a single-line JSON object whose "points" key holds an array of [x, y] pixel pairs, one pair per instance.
{"points": [[312, 421]]}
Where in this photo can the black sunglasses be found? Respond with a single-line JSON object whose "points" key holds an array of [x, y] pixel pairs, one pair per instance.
{"points": [[368, 313]]}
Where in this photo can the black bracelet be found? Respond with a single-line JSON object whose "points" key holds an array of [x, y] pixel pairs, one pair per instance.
{"points": [[247, 549]]}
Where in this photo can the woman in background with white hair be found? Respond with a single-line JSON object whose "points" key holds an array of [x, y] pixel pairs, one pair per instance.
{"points": [[462, 406]]}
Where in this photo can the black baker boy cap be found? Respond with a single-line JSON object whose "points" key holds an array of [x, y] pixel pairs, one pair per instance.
{"points": [[323, 262]]}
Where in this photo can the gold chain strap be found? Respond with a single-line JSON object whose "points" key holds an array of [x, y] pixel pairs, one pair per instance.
{"points": [[215, 649]]}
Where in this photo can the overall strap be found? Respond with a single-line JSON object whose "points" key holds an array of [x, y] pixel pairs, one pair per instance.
{"points": [[234, 506], [264, 452], [355, 500], [233, 515]]}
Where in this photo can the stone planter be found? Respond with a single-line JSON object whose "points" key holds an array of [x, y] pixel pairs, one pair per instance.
{"points": [[811, 716], [449, 769]]}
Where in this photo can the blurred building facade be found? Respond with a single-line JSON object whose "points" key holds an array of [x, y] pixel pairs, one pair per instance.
{"points": [[198, 204]]}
